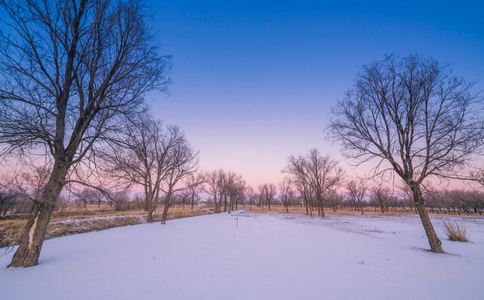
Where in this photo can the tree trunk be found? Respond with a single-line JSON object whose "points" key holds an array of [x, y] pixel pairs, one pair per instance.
{"points": [[149, 218], [321, 204], [167, 205], [215, 202], [164, 215], [32, 238], [149, 206], [434, 241], [146, 206]]}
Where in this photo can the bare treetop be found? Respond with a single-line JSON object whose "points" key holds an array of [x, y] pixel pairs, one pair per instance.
{"points": [[314, 175], [69, 68], [414, 114]]}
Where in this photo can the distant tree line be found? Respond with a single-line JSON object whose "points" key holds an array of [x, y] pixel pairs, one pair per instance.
{"points": [[230, 192]]}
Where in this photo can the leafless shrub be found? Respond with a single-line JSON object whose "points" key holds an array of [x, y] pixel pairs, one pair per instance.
{"points": [[455, 232]]}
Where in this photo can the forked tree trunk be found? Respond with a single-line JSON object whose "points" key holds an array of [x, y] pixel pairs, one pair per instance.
{"points": [[32, 239], [434, 241]]}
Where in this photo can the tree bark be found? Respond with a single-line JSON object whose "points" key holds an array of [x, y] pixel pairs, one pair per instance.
{"points": [[321, 204], [434, 241], [146, 206], [166, 206], [32, 239], [150, 209], [164, 215]]}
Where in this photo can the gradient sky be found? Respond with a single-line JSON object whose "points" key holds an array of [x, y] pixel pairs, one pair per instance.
{"points": [[253, 81]]}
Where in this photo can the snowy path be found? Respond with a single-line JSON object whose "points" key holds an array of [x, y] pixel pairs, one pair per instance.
{"points": [[264, 257]]}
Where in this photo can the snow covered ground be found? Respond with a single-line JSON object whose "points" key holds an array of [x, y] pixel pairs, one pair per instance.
{"points": [[256, 256]]}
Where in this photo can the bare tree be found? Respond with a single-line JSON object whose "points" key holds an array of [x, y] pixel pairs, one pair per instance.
{"points": [[26, 184], [86, 196], [194, 184], [334, 199], [416, 118], [226, 187], [301, 183], [23, 186], [315, 175], [286, 193], [213, 180], [381, 197], [68, 70], [267, 194], [356, 192], [234, 187], [182, 162], [140, 155], [251, 196]]}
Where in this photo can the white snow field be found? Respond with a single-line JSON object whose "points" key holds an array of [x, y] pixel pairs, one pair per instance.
{"points": [[258, 256]]}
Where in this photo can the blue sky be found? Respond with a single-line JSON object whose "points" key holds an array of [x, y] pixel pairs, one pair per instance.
{"points": [[253, 81]]}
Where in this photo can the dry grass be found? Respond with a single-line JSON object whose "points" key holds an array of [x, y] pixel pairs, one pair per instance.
{"points": [[368, 211], [73, 222], [455, 232], [346, 211]]}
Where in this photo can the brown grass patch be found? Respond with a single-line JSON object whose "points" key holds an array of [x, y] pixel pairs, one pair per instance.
{"points": [[368, 211], [72, 222], [455, 232]]}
